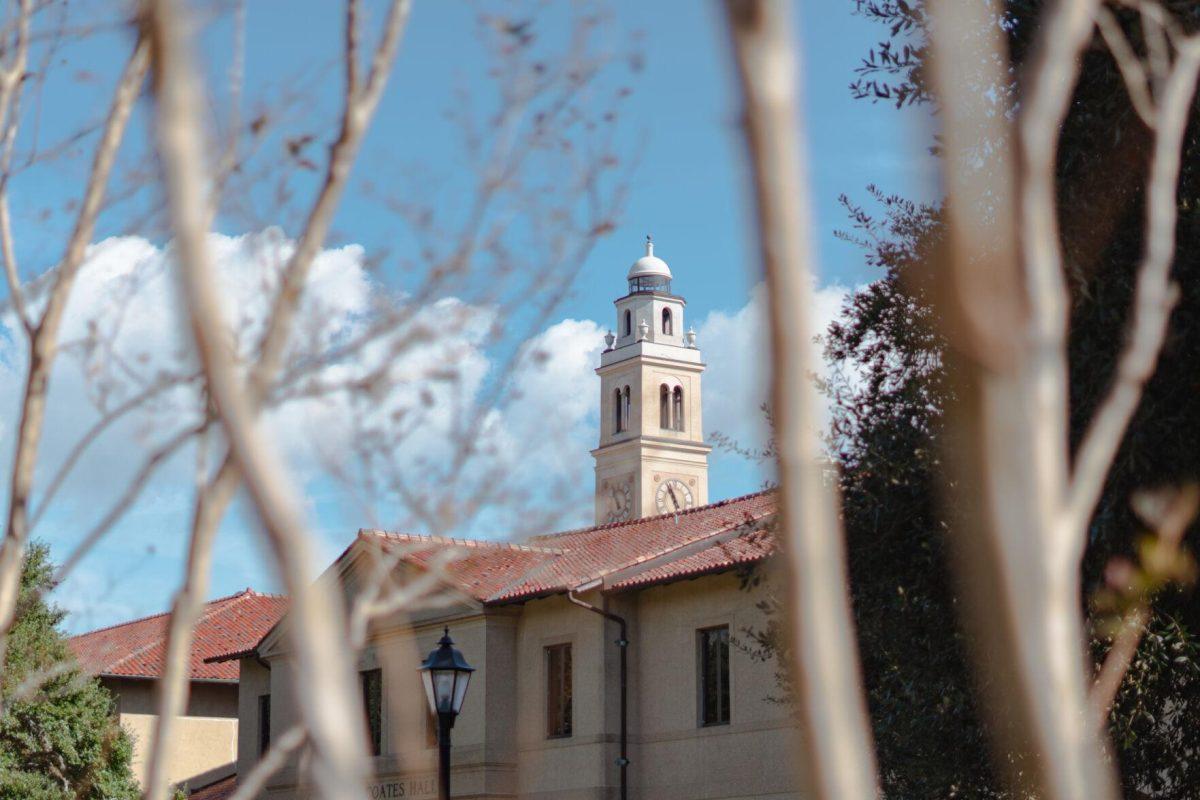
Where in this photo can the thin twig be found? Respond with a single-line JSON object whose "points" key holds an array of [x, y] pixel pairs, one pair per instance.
{"points": [[1129, 64], [125, 501], [356, 117], [93, 433]]}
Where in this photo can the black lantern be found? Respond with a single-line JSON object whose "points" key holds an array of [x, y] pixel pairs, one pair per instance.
{"points": [[446, 675]]}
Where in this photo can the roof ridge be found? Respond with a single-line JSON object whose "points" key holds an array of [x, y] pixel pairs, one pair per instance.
{"points": [[640, 520], [211, 608], [460, 542], [250, 592], [748, 521], [244, 593], [748, 524]]}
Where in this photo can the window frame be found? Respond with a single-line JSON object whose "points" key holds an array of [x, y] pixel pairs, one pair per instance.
{"points": [[374, 721], [566, 679], [264, 723], [724, 699]]}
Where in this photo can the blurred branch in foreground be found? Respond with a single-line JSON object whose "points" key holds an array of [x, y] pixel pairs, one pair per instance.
{"points": [[838, 758], [1023, 507]]}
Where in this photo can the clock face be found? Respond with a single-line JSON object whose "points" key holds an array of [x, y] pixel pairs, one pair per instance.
{"points": [[618, 500], [673, 496]]}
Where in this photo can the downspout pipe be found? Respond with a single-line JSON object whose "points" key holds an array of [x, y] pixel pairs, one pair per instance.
{"points": [[623, 643]]}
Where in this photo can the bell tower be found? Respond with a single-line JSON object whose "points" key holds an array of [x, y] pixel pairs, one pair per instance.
{"points": [[652, 458]]}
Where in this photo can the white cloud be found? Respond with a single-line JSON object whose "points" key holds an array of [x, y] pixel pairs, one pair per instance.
{"points": [[736, 348], [123, 328], [555, 417]]}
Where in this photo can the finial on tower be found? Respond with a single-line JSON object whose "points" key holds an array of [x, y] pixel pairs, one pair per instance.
{"points": [[649, 245]]}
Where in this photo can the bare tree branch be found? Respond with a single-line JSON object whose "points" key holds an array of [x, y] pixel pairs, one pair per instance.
{"points": [[838, 758], [1065, 29], [1017, 562], [11, 80], [252, 783], [43, 343], [331, 715], [356, 118], [212, 500], [1154, 296], [1129, 64]]}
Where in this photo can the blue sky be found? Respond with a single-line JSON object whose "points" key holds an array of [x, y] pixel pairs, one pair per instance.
{"points": [[687, 190]]}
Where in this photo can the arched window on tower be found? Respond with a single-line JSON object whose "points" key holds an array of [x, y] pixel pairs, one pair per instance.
{"points": [[664, 407], [677, 408], [618, 423], [625, 406], [668, 328], [628, 322]]}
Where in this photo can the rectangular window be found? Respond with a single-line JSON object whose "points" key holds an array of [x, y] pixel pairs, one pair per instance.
{"points": [[714, 675], [264, 723], [372, 692], [558, 690]]}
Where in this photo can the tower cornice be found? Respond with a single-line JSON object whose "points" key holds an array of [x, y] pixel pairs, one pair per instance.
{"points": [[663, 355], [651, 293], [684, 445]]}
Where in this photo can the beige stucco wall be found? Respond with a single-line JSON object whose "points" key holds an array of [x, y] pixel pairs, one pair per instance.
{"points": [[484, 743], [571, 768], [676, 757], [205, 738], [500, 744], [254, 680]]}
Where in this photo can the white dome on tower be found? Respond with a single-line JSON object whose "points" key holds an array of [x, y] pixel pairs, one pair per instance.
{"points": [[649, 265]]}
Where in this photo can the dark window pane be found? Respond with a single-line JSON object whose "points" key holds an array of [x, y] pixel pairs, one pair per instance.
{"points": [[714, 676], [264, 723], [372, 691], [558, 690]]}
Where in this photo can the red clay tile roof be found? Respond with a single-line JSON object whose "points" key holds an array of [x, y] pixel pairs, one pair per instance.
{"points": [[672, 547], [495, 573], [220, 790], [137, 649]]}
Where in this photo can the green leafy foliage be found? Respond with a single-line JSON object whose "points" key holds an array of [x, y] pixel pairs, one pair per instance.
{"points": [[1154, 718], [58, 736], [886, 419]]}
